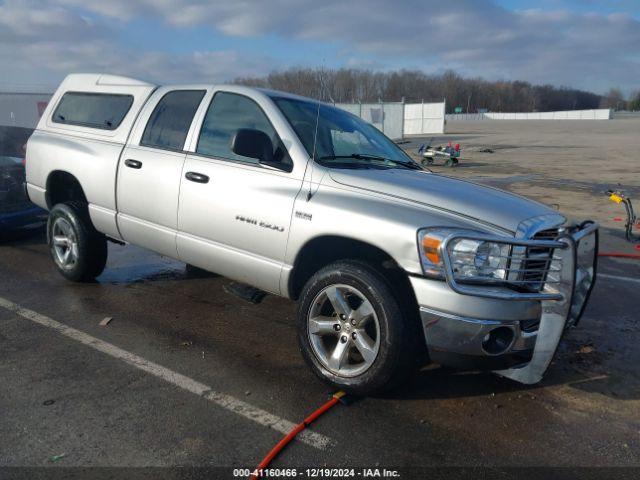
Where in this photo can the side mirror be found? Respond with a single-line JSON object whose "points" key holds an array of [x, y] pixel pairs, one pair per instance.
{"points": [[251, 143]]}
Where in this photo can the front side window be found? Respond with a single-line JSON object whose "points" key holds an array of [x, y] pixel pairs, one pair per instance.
{"points": [[339, 139], [170, 121], [104, 111], [228, 113]]}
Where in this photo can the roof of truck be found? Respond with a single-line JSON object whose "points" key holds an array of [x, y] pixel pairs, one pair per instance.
{"points": [[119, 80], [105, 79]]}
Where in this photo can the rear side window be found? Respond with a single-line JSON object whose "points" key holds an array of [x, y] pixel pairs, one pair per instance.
{"points": [[104, 111], [169, 123]]}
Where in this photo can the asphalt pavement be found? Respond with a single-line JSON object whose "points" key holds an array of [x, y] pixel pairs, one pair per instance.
{"points": [[68, 400]]}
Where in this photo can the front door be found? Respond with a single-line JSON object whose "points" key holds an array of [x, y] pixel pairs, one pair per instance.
{"points": [[234, 214], [149, 173]]}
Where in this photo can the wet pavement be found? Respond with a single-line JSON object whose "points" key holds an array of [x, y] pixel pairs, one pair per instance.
{"points": [[67, 398], [62, 397]]}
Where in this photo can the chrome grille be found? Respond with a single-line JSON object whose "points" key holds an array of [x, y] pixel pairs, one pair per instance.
{"points": [[537, 262]]}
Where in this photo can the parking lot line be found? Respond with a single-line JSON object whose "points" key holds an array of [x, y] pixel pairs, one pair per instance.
{"points": [[223, 400], [618, 277]]}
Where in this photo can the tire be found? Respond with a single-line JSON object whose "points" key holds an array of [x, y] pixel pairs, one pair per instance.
{"points": [[394, 357], [69, 229]]}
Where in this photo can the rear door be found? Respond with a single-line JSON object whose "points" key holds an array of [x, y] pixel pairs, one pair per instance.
{"points": [[234, 213], [150, 169]]}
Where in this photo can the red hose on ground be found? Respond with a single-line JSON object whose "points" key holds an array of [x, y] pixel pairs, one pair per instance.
{"points": [[296, 430], [620, 255]]}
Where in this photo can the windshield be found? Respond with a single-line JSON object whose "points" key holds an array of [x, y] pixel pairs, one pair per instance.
{"points": [[344, 140]]}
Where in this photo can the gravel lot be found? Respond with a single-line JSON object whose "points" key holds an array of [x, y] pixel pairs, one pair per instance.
{"points": [[63, 396]]}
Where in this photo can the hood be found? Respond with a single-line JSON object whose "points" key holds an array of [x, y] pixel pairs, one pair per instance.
{"points": [[485, 204]]}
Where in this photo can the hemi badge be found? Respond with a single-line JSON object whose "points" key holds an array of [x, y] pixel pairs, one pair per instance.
{"points": [[303, 215]]}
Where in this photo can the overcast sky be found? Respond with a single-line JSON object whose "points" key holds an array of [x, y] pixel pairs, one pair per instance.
{"points": [[588, 44]]}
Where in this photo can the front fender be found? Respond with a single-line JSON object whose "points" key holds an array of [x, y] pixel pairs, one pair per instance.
{"points": [[390, 225]]}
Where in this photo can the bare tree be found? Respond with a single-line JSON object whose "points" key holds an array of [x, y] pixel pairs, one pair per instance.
{"points": [[471, 94], [613, 99], [634, 102]]}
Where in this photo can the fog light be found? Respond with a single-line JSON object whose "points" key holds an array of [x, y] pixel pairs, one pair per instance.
{"points": [[498, 340]]}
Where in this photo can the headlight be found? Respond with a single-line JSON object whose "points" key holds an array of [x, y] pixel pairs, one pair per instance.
{"points": [[470, 259]]}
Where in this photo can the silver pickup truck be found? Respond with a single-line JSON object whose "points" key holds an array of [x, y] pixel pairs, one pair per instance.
{"points": [[392, 266]]}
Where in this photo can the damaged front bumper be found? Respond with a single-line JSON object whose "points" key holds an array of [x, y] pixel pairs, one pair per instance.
{"points": [[578, 262], [516, 334]]}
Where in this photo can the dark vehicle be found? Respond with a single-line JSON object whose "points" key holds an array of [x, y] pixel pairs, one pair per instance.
{"points": [[16, 211]]}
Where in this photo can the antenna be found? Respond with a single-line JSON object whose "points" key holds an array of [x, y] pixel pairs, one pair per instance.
{"points": [[313, 156], [315, 134]]}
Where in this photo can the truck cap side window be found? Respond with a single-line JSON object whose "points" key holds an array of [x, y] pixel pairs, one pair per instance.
{"points": [[104, 111], [228, 113], [169, 123]]}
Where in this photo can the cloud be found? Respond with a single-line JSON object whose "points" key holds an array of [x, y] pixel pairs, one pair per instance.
{"points": [[22, 22], [474, 37], [40, 44], [46, 63]]}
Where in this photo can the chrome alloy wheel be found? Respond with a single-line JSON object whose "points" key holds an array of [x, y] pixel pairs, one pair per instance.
{"points": [[343, 330], [65, 244]]}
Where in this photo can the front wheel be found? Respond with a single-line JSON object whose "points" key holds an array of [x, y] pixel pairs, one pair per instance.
{"points": [[351, 329], [78, 250]]}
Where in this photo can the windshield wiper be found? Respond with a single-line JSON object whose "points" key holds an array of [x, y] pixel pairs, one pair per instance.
{"points": [[367, 156], [409, 165], [358, 156]]}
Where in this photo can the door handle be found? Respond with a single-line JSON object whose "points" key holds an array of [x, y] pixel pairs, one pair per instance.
{"points": [[137, 164], [196, 177]]}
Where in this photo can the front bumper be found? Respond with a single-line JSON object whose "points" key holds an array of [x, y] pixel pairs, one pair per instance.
{"points": [[466, 342], [515, 334]]}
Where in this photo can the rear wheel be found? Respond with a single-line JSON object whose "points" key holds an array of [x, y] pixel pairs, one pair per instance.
{"points": [[78, 250], [351, 329]]}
